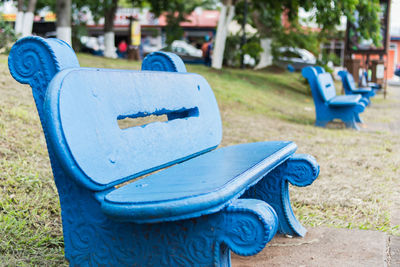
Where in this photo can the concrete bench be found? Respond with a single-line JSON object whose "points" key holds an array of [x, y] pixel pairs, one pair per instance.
{"points": [[329, 106], [120, 204], [350, 87]]}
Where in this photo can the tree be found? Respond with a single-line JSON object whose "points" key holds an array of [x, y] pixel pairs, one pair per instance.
{"points": [[225, 18], [28, 18], [106, 9], [267, 22], [176, 11], [20, 17], [110, 8], [7, 36], [63, 11], [267, 17]]}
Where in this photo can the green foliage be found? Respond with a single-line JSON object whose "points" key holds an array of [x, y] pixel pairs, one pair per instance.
{"points": [[369, 19], [7, 36], [232, 53], [326, 57], [328, 16], [96, 8], [266, 16], [78, 30], [253, 48], [46, 3], [296, 37], [176, 11]]}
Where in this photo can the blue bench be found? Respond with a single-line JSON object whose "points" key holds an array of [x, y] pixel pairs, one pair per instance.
{"points": [[120, 204], [329, 106], [350, 87], [364, 81]]}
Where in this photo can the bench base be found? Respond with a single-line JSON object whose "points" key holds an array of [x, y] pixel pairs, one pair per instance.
{"points": [[93, 239], [300, 170]]}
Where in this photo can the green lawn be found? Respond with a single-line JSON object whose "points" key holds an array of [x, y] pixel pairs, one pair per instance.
{"points": [[358, 186]]}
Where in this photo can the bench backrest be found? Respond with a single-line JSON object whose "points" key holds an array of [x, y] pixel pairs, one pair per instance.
{"points": [[348, 81], [321, 84], [81, 112], [326, 86]]}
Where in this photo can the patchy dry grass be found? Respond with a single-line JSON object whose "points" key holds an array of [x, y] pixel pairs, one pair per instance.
{"points": [[360, 172]]}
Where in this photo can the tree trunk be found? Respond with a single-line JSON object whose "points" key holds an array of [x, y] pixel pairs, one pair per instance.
{"points": [[109, 38], [20, 17], [226, 16], [265, 42], [266, 55], [63, 9], [28, 19]]}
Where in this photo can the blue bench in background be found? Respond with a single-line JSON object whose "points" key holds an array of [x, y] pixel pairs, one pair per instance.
{"points": [[329, 106], [365, 83], [116, 209], [350, 87]]}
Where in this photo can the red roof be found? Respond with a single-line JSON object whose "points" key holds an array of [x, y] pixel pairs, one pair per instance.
{"points": [[204, 19]]}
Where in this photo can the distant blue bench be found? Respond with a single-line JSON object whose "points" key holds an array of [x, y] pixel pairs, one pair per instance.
{"points": [[193, 213], [364, 80], [350, 87], [329, 106]]}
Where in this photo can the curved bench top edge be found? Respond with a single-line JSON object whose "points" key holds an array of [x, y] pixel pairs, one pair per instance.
{"points": [[61, 148]]}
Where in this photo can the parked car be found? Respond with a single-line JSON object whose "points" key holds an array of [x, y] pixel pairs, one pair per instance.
{"points": [[397, 71], [295, 57], [187, 52], [92, 45], [150, 48]]}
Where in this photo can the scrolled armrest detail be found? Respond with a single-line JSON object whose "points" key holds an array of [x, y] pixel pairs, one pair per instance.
{"points": [[303, 170], [250, 225], [34, 61], [163, 61], [299, 170]]}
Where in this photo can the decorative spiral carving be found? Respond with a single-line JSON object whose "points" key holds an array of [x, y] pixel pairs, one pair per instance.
{"points": [[30, 57], [254, 224], [245, 227], [196, 248], [32, 61], [27, 67], [163, 61], [82, 237], [360, 106], [301, 170]]}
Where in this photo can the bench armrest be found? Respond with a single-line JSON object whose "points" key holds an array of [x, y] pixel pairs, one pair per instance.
{"points": [[35, 61]]}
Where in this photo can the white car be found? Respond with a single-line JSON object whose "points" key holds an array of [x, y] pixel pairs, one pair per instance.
{"points": [[297, 57], [187, 52]]}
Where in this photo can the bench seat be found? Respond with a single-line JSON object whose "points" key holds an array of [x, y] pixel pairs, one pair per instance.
{"points": [[199, 186], [344, 100], [361, 90]]}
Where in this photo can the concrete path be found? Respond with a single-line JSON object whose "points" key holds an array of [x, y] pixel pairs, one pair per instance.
{"points": [[328, 247]]}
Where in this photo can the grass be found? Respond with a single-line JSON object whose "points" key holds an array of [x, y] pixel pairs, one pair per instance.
{"points": [[357, 187]]}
